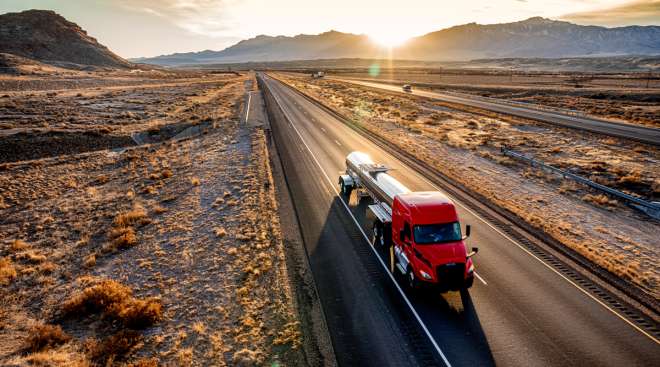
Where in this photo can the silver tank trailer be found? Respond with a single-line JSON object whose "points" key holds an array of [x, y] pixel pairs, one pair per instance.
{"points": [[374, 178]]}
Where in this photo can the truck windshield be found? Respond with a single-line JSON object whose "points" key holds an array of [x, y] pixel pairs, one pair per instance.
{"points": [[437, 233]]}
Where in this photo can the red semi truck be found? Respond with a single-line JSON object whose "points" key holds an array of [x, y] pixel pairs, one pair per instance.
{"points": [[421, 229]]}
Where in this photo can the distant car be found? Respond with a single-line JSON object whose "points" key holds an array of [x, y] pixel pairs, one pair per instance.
{"points": [[407, 88]]}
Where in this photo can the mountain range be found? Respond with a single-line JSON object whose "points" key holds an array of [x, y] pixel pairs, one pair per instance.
{"points": [[534, 38], [46, 37]]}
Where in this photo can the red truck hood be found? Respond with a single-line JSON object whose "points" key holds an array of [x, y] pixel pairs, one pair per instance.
{"points": [[452, 252]]}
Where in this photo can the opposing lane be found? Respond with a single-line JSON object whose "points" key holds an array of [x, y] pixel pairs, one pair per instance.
{"points": [[527, 314], [639, 133]]}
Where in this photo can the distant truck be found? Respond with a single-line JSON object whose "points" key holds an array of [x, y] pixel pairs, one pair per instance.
{"points": [[421, 230], [318, 74], [407, 88]]}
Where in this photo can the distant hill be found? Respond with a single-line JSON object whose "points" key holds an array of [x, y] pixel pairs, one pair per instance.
{"points": [[328, 45], [47, 37], [531, 38]]}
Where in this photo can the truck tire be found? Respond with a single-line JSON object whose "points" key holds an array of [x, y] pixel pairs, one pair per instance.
{"points": [[468, 282], [346, 189], [411, 280], [377, 238]]}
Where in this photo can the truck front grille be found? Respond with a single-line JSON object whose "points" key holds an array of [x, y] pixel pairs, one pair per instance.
{"points": [[451, 274]]}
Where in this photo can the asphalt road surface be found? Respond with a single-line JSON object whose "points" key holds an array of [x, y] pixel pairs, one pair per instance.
{"points": [[638, 133], [520, 312]]}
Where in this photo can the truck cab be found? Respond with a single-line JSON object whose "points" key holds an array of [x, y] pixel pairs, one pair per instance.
{"points": [[429, 247], [407, 88]]}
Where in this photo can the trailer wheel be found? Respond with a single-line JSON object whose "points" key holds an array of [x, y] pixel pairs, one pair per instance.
{"points": [[377, 238]]}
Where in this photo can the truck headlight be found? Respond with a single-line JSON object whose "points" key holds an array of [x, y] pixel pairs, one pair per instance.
{"points": [[425, 275], [471, 269]]}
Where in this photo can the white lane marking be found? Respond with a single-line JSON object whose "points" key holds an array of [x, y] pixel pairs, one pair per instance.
{"points": [[529, 253], [480, 278], [366, 238], [247, 110], [337, 142]]}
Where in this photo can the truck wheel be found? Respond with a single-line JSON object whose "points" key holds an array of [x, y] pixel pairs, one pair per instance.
{"points": [[413, 283], [377, 238], [468, 283], [346, 189]]}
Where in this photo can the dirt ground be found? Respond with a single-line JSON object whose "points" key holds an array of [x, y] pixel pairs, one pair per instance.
{"points": [[167, 253], [466, 147], [630, 98], [54, 115]]}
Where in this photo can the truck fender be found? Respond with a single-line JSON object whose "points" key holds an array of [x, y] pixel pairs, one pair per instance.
{"points": [[347, 180]]}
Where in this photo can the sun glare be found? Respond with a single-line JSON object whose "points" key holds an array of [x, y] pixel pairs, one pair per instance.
{"points": [[388, 38]]}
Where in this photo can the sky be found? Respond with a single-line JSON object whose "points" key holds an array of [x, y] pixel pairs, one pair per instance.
{"points": [[135, 28]]}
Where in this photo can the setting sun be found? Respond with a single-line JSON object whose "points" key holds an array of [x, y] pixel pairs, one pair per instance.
{"points": [[389, 38]]}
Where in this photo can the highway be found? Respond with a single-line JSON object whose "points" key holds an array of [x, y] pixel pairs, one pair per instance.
{"points": [[639, 133], [520, 312]]}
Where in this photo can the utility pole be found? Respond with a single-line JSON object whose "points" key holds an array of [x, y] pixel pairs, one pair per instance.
{"points": [[648, 79]]}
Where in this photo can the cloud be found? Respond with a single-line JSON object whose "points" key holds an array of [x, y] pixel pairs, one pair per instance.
{"points": [[644, 12], [211, 18]]}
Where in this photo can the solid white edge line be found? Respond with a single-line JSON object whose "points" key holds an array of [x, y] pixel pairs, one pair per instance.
{"points": [[480, 278], [529, 253], [247, 110], [366, 238]]}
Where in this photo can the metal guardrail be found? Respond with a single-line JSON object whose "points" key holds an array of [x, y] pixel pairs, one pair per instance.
{"points": [[527, 105], [651, 209]]}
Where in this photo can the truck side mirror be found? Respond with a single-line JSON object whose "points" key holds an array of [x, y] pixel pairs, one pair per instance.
{"points": [[467, 231], [473, 252]]}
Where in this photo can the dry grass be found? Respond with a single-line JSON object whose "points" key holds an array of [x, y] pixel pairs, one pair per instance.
{"points": [[144, 362], [18, 245], [122, 238], [89, 261], [105, 352], [115, 301], [600, 199], [45, 336], [32, 256], [220, 232], [137, 216], [7, 271]]}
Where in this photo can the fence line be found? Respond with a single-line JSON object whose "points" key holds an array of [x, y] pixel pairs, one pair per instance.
{"points": [[652, 209], [528, 105]]}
